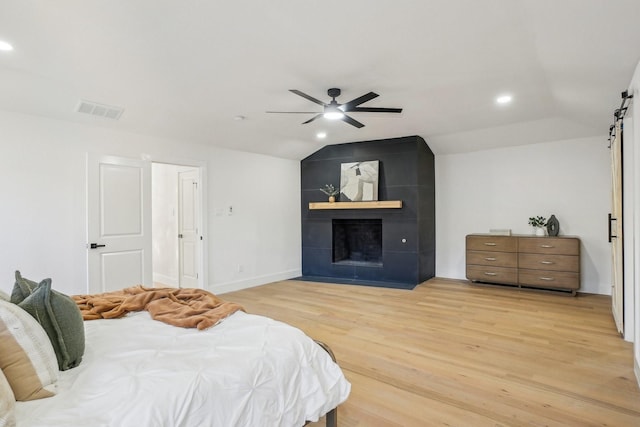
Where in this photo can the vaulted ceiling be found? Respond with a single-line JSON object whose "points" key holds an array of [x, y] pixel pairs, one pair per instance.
{"points": [[187, 70]]}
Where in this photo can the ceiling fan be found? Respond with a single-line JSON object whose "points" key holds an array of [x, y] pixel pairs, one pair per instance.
{"points": [[336, 111]]}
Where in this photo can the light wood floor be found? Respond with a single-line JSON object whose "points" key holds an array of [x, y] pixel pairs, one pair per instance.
{"points": [[449, 353]]}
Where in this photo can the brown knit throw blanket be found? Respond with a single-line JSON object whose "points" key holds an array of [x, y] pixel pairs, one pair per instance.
{"points": [[187, 308]]}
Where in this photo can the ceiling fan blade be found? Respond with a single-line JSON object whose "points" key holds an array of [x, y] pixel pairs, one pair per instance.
{"points": [[292, 112], [360, 100], [312, 118], [377, 110], [352, 122], [309, 97]]}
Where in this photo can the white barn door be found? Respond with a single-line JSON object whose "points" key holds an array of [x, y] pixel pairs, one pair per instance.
{"points": [[615, 231], [118, 223]]}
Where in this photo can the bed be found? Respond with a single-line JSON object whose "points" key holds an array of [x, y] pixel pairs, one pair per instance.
{"points": [[247, 370]]}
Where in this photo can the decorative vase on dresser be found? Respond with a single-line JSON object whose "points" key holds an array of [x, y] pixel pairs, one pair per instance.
{"points": [[524, 261]]}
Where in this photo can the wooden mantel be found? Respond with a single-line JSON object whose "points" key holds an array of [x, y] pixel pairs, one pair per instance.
{"points": [[379, 204]]}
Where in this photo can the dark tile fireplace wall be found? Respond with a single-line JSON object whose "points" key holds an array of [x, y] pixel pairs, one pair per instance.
{"points": [[408, 234]]}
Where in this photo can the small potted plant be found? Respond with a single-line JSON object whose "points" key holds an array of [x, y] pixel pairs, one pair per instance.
{"points": [[539, 223], [330, 191]]}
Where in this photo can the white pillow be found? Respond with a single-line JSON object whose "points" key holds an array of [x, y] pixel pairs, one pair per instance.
{"points": [[7, 403], [27, 358], [4, 296]]}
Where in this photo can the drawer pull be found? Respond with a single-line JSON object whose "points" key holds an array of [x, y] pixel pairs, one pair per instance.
{"points": [[548, 279], [488, 273], [546, 262], [546, 246], [489, 259], [489, 244]]}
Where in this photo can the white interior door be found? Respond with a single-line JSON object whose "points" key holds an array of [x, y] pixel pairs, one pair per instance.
{"points": [[615, 230], [188, 224], [118, 223]]}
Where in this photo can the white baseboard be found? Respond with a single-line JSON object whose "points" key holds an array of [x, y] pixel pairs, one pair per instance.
{"points": [[166, 280], [222, 288]]}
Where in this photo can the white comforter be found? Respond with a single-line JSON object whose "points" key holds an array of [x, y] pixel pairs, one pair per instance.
{"points": [[247, 371]]}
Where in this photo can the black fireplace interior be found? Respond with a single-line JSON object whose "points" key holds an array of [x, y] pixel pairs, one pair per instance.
{"points": [[357, 241]]}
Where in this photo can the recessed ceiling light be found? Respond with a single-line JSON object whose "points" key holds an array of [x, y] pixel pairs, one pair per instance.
{"points": [[321, 135], [504, 99], [5, 46]]}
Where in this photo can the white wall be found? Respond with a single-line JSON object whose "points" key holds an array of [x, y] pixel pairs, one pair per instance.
{"points": [[502, 188], [264, 228], [629, 190], [633, 138], [43, 196]]}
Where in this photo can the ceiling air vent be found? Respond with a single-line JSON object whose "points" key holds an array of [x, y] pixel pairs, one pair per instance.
{"points": [[101, 110]]}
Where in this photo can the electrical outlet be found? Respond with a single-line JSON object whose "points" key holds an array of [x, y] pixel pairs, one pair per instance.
{"points": [[240, 268]]}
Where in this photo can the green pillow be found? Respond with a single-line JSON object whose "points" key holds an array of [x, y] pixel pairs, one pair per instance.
{"points": [[22, 289], [61, 319]]}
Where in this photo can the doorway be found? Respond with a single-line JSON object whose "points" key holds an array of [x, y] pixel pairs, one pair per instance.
{"points": [[177, 226]]}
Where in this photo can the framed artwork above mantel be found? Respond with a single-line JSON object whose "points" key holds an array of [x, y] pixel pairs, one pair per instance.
{"points": [[359, 181]]}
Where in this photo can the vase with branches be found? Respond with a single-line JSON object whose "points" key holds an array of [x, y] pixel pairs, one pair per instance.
{"points": [[330, 191]]}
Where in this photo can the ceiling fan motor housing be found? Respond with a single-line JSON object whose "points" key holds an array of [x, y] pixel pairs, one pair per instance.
{"points": [[334, 92]]}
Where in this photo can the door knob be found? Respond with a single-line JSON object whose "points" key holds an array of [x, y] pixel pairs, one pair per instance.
{"points": [[96, 246]]}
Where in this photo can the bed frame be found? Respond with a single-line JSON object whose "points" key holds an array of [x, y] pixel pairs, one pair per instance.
{"points": [[331, 419]]}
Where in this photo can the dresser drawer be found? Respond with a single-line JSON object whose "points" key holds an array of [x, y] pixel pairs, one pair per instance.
{"points": [[492, 243], [495, 259], [492, 274], [549, 279], [549, 262], [549, 245]]}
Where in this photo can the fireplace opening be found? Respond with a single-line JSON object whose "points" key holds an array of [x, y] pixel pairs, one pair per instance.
{"points": [[357, 242]]}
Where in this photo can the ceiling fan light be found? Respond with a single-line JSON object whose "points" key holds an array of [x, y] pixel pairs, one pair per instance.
{"points": [[333, 115]]}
